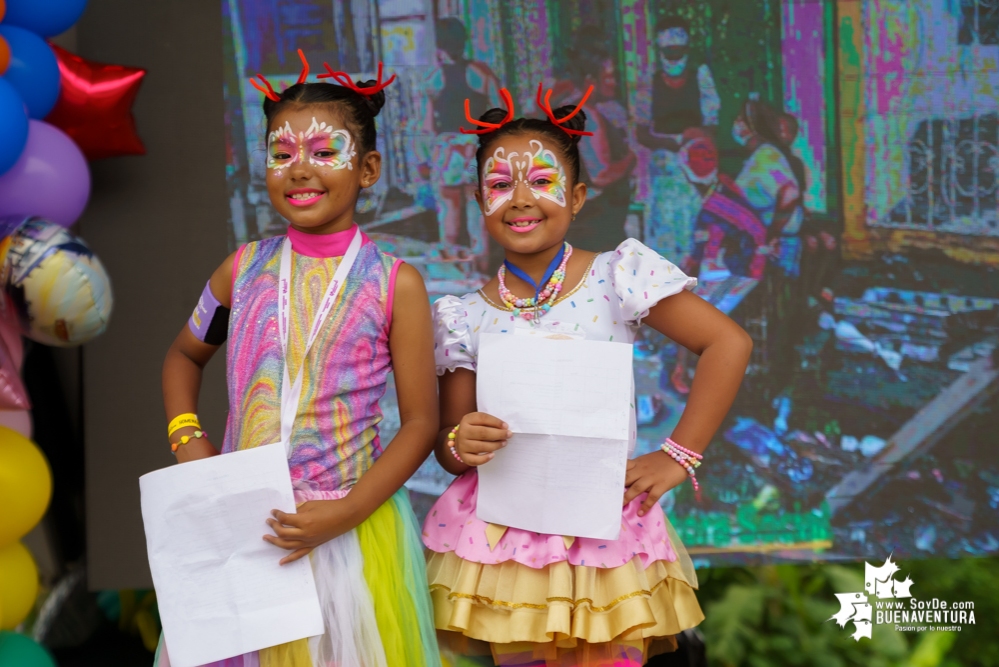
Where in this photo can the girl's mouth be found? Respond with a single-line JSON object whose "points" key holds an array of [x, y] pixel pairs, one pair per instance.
{"points": [[523, 225], [304, 197]]}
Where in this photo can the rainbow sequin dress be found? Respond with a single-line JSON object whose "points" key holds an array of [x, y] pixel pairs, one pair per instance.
{"points": [[371, 580]]}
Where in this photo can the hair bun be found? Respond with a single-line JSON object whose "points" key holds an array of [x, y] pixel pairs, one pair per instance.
{"points": [[494, 115], [375, 102], [577, 122]]}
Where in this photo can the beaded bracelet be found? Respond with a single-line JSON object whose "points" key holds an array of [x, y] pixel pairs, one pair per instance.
{"points": [[182, 421], [452, 441], [184, 439], [689, 459]]}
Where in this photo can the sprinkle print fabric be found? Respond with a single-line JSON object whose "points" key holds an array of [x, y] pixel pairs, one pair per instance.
{"points": [[617, 292], [453, 526]]}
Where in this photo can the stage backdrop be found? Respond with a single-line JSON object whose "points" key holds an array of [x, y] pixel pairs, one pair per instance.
{"points": [[865, 424]]}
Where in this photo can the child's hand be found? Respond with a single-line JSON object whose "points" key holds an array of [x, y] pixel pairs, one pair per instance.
{"points": [[479, 437], [655, 474], [315, 522]]}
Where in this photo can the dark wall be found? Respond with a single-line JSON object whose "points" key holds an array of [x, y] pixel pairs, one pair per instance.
{"points": [[158, 222]]}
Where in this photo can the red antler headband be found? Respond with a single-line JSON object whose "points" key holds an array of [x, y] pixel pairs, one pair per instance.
{"points": [[546, 106], [489, 127], [269, 91], [344, 80]]}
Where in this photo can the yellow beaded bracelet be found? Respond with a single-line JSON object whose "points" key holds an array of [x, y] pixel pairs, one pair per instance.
{"points": [[183, 421], [184, 439], [452, 441]]}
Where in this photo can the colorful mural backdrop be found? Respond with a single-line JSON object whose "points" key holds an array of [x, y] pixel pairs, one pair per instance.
{"points": [[867, 419]]}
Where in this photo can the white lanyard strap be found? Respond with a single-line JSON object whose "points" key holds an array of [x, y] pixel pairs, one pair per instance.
{"points": [[291, 393]]}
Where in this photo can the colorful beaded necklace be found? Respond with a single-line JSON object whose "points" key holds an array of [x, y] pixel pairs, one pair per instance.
{"points": [[537, 303]]}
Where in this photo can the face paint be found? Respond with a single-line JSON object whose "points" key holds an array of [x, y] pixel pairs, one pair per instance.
{"points": [[673, 67], [498, 180], [545, 176], [676, 36], [321, 145], [741, 132], [539, 169]]}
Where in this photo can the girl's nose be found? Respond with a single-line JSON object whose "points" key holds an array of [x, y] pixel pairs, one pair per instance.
{"points": [[522, 195]]}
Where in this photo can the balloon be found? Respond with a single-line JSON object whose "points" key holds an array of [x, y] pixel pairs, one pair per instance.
{"points": [[3, 9], [16, 420], [33, 70], [4, 55], [13, 126], [18, 584], [21, 651], [95, 106], [25, 487], [60, 290], [45, 17], [50, 179]]}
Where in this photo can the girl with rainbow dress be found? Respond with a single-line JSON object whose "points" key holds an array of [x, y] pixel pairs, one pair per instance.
{"points": [[315, 321]]}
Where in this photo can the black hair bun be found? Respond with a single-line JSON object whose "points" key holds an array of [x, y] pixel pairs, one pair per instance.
{"points": [[493, 116], [577, 122], [375, 102]]}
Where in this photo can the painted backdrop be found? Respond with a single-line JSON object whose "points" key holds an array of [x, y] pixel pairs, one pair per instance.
{"points": [[865, 421]]}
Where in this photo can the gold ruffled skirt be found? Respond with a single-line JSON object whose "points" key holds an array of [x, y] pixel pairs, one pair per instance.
{"points": [[562, 614]]}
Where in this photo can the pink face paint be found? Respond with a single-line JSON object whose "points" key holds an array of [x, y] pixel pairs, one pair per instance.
{"points": [[498, 180], [538, 168], [545, 176], [321, 145]]}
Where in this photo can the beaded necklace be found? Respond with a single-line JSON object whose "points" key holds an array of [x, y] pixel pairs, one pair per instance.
{"points": [[544, 297]]}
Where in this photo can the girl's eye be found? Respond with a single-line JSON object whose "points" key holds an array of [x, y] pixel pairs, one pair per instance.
{"points": [[326, 154], [502, 185], [282, 156], [541, 181]]}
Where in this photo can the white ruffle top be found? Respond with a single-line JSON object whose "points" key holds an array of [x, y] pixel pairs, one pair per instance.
{"points": [[617, 291]]}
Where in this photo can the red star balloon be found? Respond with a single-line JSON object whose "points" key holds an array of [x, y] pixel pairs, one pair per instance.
{"points": [[95, 106]]}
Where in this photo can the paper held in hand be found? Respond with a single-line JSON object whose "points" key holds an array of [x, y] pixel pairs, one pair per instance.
{"points": [[569, 405], [220, 590]]}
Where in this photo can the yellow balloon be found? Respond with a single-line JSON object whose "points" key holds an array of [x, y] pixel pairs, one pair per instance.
{"points": [[18, 584], [25, 485]]}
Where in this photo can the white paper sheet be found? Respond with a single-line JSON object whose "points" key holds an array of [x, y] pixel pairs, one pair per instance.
{"points": [[569, 404], [219, 587]]}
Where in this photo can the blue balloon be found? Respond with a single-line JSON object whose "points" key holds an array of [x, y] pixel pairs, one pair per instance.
{"points": [[33, 71], [48, 18], [13, 126]]}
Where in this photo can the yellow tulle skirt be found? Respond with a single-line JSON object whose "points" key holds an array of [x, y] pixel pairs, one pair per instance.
{"points": [[561, 615]]}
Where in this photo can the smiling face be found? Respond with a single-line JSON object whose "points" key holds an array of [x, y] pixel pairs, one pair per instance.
{"points": [[525, 194], [314, 173]]}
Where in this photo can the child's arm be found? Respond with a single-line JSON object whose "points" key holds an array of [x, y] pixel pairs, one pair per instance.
{"points": [[724, 349], [411, 343], [480, 434], [183, 366]]}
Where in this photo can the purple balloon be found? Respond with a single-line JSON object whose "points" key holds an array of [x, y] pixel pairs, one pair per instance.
{"points": [[50, 180]]}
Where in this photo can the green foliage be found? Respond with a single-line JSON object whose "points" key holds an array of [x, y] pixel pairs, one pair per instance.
{"points": [[779, 615], [974, 579]]}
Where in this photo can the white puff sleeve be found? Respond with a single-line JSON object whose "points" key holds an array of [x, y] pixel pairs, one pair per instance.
{"points": [[641, 278], [453, 345]]}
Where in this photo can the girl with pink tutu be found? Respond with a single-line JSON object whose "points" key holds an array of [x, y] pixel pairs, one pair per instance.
{"points": [[532, 599]]}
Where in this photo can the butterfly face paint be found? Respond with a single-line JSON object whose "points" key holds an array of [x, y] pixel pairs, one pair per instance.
{"points": [[321, 145], [539, 169]]}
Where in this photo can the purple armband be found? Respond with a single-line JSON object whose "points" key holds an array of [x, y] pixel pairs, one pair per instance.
{"points": [[210, 320]]}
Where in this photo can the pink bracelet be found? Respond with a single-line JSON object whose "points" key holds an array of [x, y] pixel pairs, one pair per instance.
{"points": [[452, 441], [688, 459], [689, 452]]}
